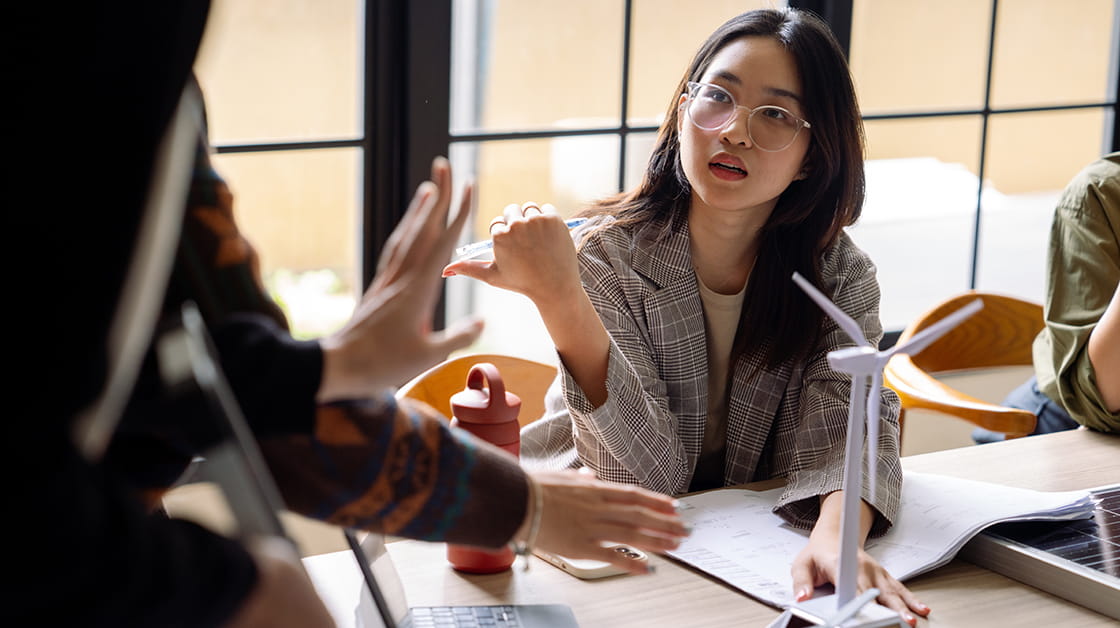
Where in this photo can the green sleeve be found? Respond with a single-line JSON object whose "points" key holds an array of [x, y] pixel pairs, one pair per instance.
{"points": [[1083, 271]]}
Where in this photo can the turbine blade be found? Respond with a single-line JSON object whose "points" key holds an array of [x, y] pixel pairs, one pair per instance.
{"points": [[924, 338], [846, 323]]}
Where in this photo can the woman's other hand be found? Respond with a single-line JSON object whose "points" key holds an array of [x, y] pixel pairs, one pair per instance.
{"points": [[819, 563]]}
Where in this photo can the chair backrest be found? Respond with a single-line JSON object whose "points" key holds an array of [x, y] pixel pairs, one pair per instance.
{"points": [[525, 378], [1001, 334]]}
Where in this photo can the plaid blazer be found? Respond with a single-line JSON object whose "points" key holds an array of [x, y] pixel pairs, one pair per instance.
{"points": [[785, 422]]}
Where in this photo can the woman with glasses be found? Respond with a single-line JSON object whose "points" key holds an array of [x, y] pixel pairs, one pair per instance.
{"points": [[689, 359]]}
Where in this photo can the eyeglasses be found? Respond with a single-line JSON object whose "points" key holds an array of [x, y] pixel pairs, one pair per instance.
{"points": [[770, 127]]}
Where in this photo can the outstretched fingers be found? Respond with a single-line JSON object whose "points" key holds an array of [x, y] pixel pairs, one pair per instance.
{"points": [[580, 515], [458, 335], [419, 230], [403, 242], [435, 218], [452, 230], [627, 494], [655, 537]]}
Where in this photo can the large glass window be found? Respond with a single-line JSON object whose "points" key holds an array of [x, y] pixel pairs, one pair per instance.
{"points": [[973, 129], [977, 114], [943, 91], [282, 84], [282, 70]]}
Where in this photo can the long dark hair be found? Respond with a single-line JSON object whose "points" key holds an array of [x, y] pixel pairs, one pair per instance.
{"points": [[809, 214]]}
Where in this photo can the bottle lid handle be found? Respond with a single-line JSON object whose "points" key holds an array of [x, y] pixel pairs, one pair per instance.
{"points": [[482, 373]]}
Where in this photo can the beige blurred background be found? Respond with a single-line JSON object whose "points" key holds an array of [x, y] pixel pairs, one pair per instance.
{"points": [[290, 70]]}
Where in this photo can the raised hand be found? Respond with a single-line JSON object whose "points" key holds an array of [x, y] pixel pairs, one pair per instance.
{"points": [[389, 339]]}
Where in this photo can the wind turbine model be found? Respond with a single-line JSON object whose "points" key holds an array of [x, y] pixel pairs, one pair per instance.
{"points": [[865, 364]]}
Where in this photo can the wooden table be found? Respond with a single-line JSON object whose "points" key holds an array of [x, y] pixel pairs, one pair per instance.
{"points": [[960, 594]]}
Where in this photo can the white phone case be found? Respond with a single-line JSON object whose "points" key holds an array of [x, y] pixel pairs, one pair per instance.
{"points": [[591, 569]]}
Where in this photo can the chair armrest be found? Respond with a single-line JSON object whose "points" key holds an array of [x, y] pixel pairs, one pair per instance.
{"points": [[917, 389]]}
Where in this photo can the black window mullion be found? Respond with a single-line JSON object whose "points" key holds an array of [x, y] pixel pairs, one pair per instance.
{"points": [[383, 157], [428, 89], [624, 115], [836, 13], [986, 114], [407, 112]]}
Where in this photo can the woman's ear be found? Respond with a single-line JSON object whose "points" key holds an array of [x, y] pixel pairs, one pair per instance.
{"points": [[682, 102], [803, 173]]}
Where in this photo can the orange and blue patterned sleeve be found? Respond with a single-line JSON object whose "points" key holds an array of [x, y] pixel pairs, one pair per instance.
{"points": [[376, 463]]}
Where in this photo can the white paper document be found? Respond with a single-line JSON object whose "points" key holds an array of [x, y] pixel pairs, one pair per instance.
{"points": [[737, 538]]}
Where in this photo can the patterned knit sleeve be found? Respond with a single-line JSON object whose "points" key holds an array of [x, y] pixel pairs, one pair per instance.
{"points": [[396, 467], [372, 464]]}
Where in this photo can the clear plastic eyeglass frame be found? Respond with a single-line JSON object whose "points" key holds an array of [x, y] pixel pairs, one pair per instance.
{"points": [[794, 128]]}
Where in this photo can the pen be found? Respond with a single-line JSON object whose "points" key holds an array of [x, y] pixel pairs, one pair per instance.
{"points": [[475, 249]]}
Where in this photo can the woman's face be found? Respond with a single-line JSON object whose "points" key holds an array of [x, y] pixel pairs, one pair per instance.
{"points": [[728, 173]]}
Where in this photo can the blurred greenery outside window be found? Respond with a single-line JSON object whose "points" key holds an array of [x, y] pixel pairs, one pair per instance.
{"points": [[288, 73]]}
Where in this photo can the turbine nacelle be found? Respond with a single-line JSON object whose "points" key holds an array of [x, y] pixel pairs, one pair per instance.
{"points": [[854, 360]]}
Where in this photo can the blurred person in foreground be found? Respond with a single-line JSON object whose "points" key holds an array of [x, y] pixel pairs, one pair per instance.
{"points": [[341, 448]]}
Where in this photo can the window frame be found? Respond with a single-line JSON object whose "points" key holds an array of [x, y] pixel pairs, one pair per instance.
{"points": [[407, 101]]}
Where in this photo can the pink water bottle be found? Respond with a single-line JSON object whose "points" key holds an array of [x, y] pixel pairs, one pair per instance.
{"points": [[489, 413]]}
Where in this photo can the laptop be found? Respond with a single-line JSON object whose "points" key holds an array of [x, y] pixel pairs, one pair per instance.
{"points": [[1077, 560], [361, 588]]}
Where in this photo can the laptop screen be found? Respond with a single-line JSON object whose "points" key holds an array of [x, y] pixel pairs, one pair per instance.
{"points": [[362, 588], [359, 592], [384, 583]]}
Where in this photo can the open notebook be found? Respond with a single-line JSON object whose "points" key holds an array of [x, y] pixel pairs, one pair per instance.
{"points": [[361, 588], [738, 539]]}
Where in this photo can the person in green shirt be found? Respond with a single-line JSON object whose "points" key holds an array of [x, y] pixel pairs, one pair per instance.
{"points": [[1077, 353]]}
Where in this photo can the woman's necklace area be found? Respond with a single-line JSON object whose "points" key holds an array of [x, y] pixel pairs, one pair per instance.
{"points": [[732, 282], [712, 270]]}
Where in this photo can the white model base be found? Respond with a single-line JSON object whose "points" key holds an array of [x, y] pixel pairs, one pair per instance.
{"points": [[819, 611]]}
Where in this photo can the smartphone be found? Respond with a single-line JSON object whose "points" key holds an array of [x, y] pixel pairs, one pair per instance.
{"points": [[591, 569]]}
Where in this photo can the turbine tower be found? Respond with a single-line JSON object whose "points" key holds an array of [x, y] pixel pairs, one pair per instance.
{"points": [[865, 364]]}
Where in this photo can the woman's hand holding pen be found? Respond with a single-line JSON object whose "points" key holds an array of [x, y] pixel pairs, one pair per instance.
{"points": [[533, 256]]}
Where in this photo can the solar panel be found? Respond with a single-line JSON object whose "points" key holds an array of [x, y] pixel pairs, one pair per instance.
{"points": [[1075, 560]]}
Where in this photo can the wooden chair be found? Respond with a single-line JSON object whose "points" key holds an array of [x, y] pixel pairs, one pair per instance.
{"points": [[527, 379], [999, 335]]}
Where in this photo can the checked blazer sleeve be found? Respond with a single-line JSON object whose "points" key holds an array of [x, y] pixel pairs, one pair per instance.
{"points": [[787, 421]]}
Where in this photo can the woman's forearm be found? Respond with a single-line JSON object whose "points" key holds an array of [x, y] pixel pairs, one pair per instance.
{"points": [[832, 509], [581, 341]]}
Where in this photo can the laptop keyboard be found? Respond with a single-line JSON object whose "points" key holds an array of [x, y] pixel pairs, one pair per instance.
{"points": [[464, 617]]}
